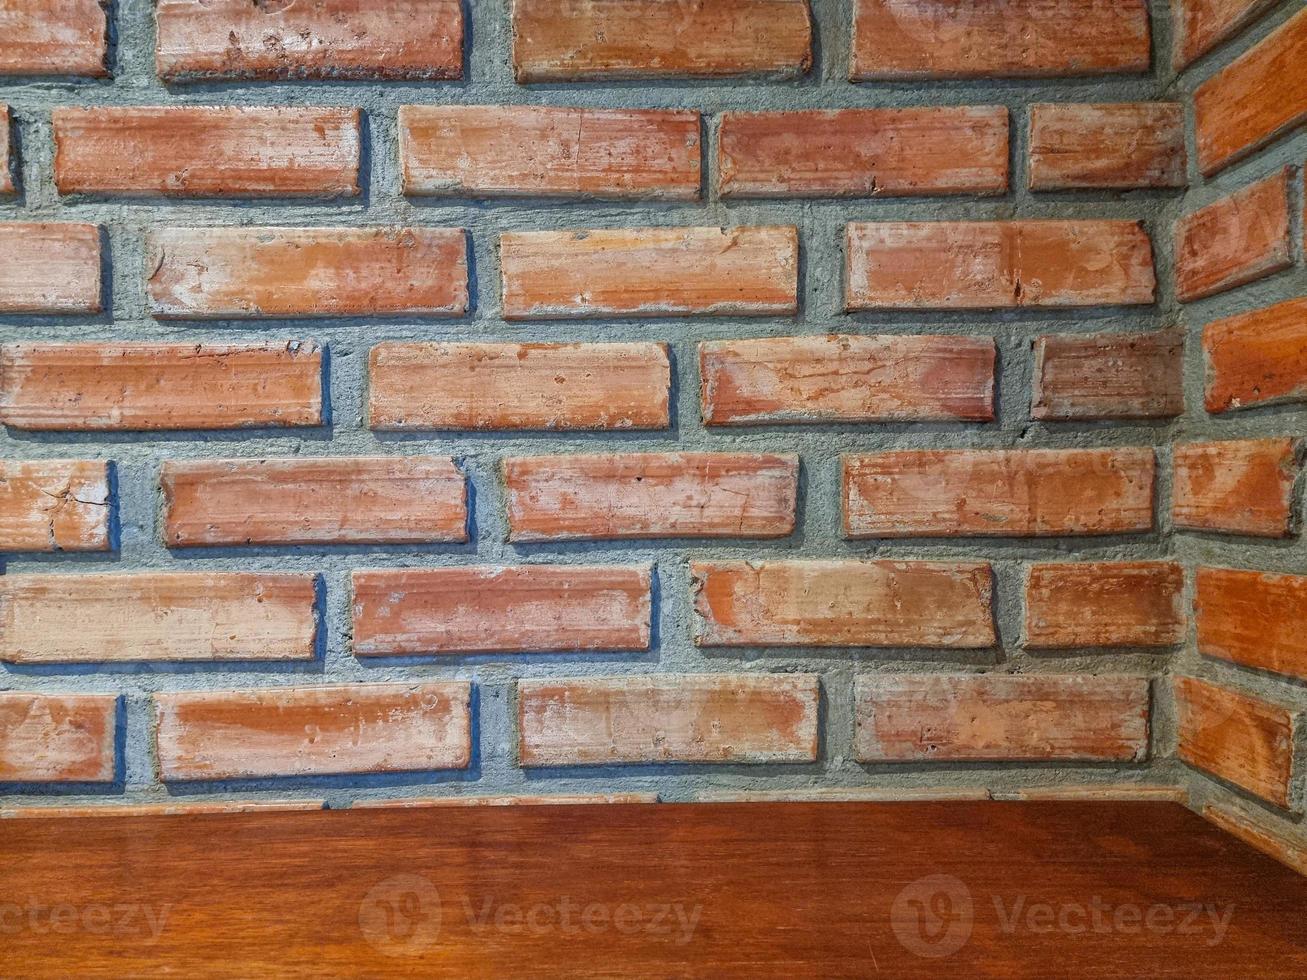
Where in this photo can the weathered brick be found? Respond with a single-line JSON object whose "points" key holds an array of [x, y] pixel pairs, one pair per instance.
{"points": [[1257, 358], [1000, 718], [1105, 604], [1258, 835], [522, 609], [326, 39], [1109, 376], [844, 603], [1236, 240], [1243, 486], [558, 387], [977, 265], [141, 387], [330, 500], [1200, 25], [723, 718], [864, 152], [900, 39], [1256, 99], [544, 151], [1117, 146], [54, 505], [298, 272], [650, 495], [1255, 619], [54, 37], [1242, 739], [313, 731], [49, 268], [998, 493], [571, 40], [57, 738], [649, 272], [7, 167], [553, 799], [199, 151], [157, 616]]}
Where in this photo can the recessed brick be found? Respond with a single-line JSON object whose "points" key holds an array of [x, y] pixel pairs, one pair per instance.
{"points": [[57, 738], [650, 272], [1114, 146], [704, 718], [54, 505], [1242, 486], [1105, 604], [650, 495], [1254, 619], [157, 616], [49, 268], [1109, 376], [844, 603], [7, 166], [522, 609], [63, 37], [1257, 358], [1200, 25], [331, 500]]}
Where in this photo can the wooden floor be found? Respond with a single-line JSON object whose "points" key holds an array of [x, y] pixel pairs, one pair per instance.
{"points": [[788, 890]]}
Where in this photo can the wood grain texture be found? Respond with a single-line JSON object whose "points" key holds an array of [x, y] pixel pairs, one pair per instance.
{"points": [[1105, 604], [54, 505], [1109, 376], [1239, 486], [1109, 146], [1257, 358], [57, 738], [1254, 619], [1201, 25], [1255, 833], [53, 37], [49, 268]]}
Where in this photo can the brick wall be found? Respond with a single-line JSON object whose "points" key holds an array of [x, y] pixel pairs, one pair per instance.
{"points": [[598, 400]]}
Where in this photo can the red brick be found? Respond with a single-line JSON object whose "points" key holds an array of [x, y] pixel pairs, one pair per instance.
{"points": [[330, 500], [1243, 486], [864, 152], [998, 493], [523, 609], [295, 272], [1001, 718], [57, 738], [54, 37], [313, 731], [7, 168], [1254, 619], [157, 616], [326, 39], [49, 268], [1258, 835], [649, 272], [1200, 25], [54, 505], [902, 39], [1257, 358], [1118, 146], [1105, 604], [571, 40], [844, 603], [978, 265], [1239, 239], [1254, 100], [650, 495], [196, 151], [1109, 376], [143, 387], [558, 387], [706, 718], [541, 151]]}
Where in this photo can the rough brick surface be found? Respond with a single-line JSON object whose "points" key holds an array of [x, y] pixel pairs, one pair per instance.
{"points": [[1257, 358], [1112, 146], [53, 37], [57, 738], [49, 268], [1105, 604], [1109, 376], [1238, 486], [1254, 619], [54, 505], [1200, 25]]}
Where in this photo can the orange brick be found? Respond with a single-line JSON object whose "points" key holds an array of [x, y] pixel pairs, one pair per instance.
{"points": [[1257, 358], [570, 40], [313, 731], [540, 151], [54, 37], [1105, 604], [49, 268], [57, 738], [331, 500], [1254, 619], [1200, 25], [901, 39], [844, 603], [558, 387], [1001, 718], [157, 616], [649, 272], [141, 387], [195, 151], [1118, 146], [1243, 486], [998, 493], [54, 505], [327, 39], [1239, 239], [7, 167], [864, 152], [523, 609], [1109, 376], [294, 272], [651, 495], [977, 265], [705, 718]]}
